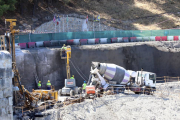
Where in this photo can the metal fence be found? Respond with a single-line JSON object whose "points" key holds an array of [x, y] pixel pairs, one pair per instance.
{"points": [[94, 34]]}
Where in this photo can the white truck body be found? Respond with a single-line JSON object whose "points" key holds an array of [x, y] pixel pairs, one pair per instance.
{"points": [[110, 75]]}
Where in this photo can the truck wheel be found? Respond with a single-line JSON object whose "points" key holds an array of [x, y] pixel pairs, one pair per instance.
{"points": [[121, 90], [60, 92], [72, 93], [147, 92], [80, 90]]}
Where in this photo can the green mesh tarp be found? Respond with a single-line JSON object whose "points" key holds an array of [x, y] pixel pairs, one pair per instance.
{"points": [[95, 34]]}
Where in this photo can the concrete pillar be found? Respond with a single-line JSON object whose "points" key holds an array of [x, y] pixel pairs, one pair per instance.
{"points": [[6, 112]]}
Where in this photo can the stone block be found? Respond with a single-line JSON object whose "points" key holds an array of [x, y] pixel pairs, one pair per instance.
{"points": [[8, 73], [1, 94], [3, 102], [5, 58], [2, 111], [7, 92], [4, 118], [9, 110], [2, 72], [10, 116], [10, 101], [7, 83], [2, 83]]}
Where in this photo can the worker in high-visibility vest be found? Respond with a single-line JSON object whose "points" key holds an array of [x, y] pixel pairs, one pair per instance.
{"points": [[39, 85], [48, 85], [84, 86], [64, 50], [72, 77]]}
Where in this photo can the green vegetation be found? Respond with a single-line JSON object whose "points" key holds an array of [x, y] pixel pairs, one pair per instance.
{"points": [[66, 1], [6, 5]]}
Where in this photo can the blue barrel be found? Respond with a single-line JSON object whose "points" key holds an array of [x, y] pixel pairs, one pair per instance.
{"points": [[76, 42], [54, 42], [139, 39], [147, 38], [170, 38], [62, 42], [39, 44], [103, 40], [119, 39], [91, 41]]}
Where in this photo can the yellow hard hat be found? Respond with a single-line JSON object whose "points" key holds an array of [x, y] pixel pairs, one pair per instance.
{"points": [[48, 80]]}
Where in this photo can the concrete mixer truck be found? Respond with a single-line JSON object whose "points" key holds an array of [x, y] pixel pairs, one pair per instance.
{"points": [[105, 76]]}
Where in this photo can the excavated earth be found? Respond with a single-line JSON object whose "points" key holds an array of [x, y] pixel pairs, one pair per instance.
{"points": [[46, 63], [128, 106], [159, 57]]}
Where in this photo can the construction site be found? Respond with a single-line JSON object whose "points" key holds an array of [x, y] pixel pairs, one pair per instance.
{"points": [[77, 67]]}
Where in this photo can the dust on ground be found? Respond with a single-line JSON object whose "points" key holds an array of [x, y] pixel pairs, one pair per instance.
{"points": [[125, 106]]}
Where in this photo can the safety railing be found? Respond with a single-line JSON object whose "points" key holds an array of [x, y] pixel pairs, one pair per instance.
{"points": [[30, 37]]}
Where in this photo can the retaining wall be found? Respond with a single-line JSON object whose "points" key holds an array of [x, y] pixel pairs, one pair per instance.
{"points": [[6, 112], [159, 57]]}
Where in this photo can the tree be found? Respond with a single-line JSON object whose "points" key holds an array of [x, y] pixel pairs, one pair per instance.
{"points": [[6, 5]]}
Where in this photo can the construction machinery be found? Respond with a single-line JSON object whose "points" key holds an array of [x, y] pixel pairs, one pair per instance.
{"points": [[105, 76], [21, 95], [70, 87]]}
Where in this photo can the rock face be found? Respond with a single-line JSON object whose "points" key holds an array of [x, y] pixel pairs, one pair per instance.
{"points": [[159, 57], [72, 24], [6, 112]]}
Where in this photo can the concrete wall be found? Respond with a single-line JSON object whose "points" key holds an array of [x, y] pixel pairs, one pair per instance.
{"points": [[159, 57], [6, 112]]}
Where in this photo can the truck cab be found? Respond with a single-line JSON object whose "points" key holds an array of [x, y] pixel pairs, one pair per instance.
{"points": [[144, 78]]}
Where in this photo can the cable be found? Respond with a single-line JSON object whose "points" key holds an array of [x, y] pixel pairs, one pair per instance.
{"points": [[80, 71], [77, 71]]}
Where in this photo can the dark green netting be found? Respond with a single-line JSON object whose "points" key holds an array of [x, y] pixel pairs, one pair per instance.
{"points": [[95, 34]]}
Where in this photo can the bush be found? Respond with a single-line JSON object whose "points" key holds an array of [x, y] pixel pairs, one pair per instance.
{"points": [[66, 1], [6, 5]]}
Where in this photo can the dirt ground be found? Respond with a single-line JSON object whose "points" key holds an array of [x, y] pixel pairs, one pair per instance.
{"points": [[124, 107]]}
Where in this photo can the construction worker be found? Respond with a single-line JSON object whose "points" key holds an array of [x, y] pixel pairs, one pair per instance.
{"points": [[64, 50], [39, 85], [72, 77], [84, 86], [48, 85]]}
